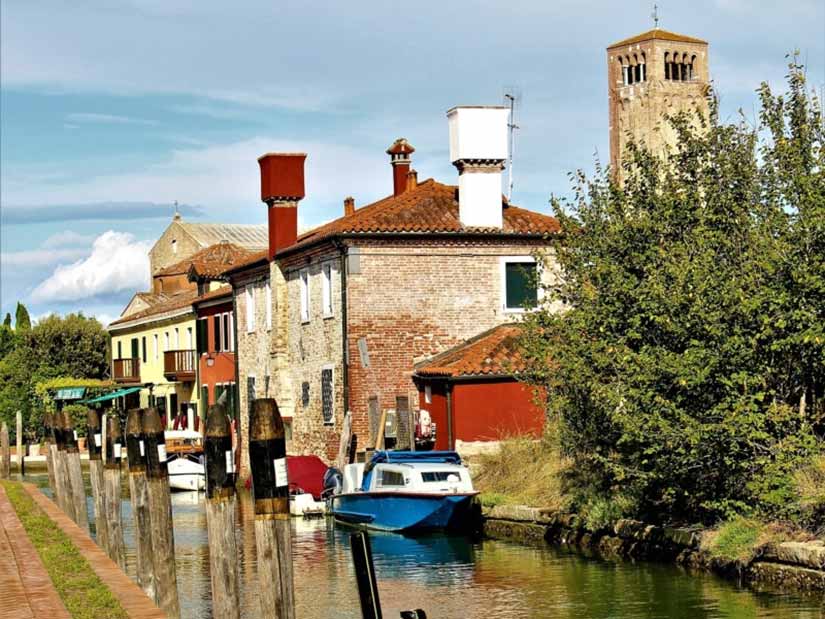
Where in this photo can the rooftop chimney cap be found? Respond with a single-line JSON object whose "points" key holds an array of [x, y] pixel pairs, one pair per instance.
{"points": [[282, 176], [400, 147], [478, 133]]}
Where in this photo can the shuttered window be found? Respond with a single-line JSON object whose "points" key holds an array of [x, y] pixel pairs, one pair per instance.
{"points": [[216, 332], [326, 394], [202, 335], [521, 291]]}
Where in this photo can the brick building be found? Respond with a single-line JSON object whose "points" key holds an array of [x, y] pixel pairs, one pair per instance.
{"points": [[651, 75], [336, 319]]}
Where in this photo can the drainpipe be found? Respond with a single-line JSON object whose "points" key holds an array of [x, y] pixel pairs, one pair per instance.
{"points": [[449, 390]]}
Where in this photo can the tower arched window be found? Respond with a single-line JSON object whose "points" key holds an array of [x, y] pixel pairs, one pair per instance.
{"points": [[667, 65]]}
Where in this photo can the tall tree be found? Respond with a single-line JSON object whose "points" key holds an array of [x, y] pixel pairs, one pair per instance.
{"points": [[696, 294], [22, 320], [7, 320]]}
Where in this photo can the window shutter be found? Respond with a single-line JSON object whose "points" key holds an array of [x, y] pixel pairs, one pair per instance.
{"points": [[326, 394], [216, 332]]}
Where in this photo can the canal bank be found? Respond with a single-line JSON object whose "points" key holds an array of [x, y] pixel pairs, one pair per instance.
{"points": [[798, 566]]}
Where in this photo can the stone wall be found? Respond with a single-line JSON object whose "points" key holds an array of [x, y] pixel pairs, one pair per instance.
{"points": [[164, 253]]}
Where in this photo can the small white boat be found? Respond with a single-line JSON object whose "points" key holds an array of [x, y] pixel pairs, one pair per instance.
{"points": [[186, 472], [305, 505]]}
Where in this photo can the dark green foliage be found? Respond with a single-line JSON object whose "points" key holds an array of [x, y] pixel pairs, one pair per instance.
{"points": [[22, 322], [78, 415], [688, 374], [7, 320]]}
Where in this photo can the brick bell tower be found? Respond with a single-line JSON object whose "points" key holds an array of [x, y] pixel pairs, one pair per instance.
{"points": [[649, 76]]}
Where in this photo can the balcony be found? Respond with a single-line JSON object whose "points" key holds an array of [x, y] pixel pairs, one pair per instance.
{"points": [[179, 365], [126, 370]]}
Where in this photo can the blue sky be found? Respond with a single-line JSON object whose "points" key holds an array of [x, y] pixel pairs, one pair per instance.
{"points": [[112, 111]]}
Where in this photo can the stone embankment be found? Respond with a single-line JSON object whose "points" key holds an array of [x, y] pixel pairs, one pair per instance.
{"points": [[787, 565]]}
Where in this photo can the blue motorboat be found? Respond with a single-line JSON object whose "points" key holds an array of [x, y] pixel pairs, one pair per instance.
{"points": [[405, 490]]}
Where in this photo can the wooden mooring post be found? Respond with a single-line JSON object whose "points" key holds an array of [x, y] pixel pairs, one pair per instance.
{"points": [[5, 452], [111, 490], [221, 507], [344, 442], [94, 441], [270, 484], [160, 515], [61, 468], [47, 424], [19, 440], [78, 490], [139, 491]]}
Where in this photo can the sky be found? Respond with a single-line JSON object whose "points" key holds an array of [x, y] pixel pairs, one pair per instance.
{"points": [[110, 112]]}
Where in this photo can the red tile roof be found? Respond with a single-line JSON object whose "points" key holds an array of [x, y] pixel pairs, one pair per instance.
{"points": [[210, 261], [657, 33], [218, 293], [492, 353], [172, 302]]}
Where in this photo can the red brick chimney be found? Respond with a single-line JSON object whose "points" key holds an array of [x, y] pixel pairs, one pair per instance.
{"points": [[399, 153], [349, 206], [412, 180], [282, 187]]}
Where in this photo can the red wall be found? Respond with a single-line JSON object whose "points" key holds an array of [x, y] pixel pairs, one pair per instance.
{"points": [[483, 411], [223, 369]]}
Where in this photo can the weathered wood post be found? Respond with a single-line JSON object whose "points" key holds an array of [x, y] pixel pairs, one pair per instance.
{"points": [[19, 441], [221, 506], [111, 490], [94, 441], [160, 515], [49, 435], [365, 575], [78, 490], [382, 426], [61, 468], [344, 442], [136, 451], [5, 452], [270, 485]]}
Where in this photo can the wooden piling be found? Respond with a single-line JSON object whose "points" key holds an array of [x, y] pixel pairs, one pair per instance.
{"points": [[5, 452], [270, 484], [61, 468], [95, 444], [382, 426], [47, 424], [111, 491], [365, 575], [160, 515], [78, 490], [344, 442], [136, 451], [19, 441], [221, 507]]}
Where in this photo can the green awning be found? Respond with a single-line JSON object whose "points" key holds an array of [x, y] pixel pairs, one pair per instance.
{"points": [[70, 393], [111, 396]]}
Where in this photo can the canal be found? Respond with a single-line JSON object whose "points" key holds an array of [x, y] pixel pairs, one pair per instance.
{"points": [[453, 577]]}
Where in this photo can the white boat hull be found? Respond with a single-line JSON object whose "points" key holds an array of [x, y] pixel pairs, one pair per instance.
{"points": [[186, 474]]}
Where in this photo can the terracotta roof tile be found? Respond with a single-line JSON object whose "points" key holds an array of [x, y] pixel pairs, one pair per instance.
{"points": [[492, 353], [218, 293], [657, 33], [210, 261], [173, 302]]}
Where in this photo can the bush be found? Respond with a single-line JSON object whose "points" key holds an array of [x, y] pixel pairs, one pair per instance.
{"points": [[809, 483], [78, 414]]}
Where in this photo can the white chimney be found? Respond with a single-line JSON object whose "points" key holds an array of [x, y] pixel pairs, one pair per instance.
{"points": [[478, 148]]}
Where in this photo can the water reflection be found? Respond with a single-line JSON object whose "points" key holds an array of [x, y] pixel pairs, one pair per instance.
{"points": [[455, 577]]}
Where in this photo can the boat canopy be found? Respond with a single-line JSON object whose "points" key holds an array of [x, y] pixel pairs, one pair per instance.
{"points": [[450, 457], [111, 396]]}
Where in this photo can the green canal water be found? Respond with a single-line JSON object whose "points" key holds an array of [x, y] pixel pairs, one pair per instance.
{"points": [[452, 577]]}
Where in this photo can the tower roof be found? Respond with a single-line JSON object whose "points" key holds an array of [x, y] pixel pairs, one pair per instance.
{"points": [[657, 33]]}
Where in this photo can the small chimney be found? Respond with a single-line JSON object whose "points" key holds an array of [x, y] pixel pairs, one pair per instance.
{"points": [[478, 149], [349, 206], [399, 153], [282, 187], [412, 180]]}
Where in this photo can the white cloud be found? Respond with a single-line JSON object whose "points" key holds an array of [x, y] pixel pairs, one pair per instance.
{"points": [[68, 238], [39, 257], [118, 262], [107, 119]]}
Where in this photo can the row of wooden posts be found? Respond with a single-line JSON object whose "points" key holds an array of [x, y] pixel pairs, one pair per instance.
{"points": [[5, 448], [143, 446]]}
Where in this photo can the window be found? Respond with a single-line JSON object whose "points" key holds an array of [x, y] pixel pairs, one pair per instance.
{"points": [[216, 332], [326, 394], [174, 246], [188, 338], [143, 348], [431, 476], [166, 341], [305, 394], [268, 301], [202, 335], [119, 350], [326, 289], [157, 346], [135, 351], [177, 338], [219, 389], [226, 334], [391, 478], [205, 395], [304, 275], [428, 394], [231, 331], [520, 279], [250, 309]]}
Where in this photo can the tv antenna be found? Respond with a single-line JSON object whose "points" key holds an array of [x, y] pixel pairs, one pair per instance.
{"points": [[655, 16], [510, 97]]}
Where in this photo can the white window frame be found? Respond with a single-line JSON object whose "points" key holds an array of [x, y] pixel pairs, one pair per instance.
{"points": [[331, 422], [303, 276], [268, 301], [166, 341], [177, 339], [326, 289], [226, 333], [250, 308], [232, 331], [503, 262], [189, 338]]}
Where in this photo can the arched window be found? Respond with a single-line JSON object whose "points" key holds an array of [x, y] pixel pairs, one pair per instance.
{"points": [[623, 66], [667, 65], [644, 68]]}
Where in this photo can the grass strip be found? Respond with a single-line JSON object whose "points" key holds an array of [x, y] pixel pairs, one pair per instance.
{"points": [[83, 593]]}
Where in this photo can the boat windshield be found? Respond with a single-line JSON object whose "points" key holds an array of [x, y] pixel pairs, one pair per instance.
{"points": [[433, 476]]}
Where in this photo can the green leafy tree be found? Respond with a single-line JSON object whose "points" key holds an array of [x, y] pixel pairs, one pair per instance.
{"points": [[687, 374], [7, 320], [22, 322]]}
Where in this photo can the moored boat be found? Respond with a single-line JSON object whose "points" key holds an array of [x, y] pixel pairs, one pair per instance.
{"points": [[186, 472], [405, 490]]}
